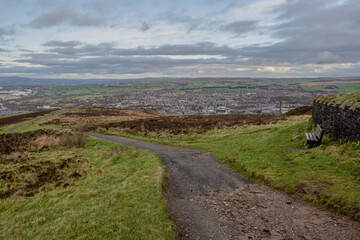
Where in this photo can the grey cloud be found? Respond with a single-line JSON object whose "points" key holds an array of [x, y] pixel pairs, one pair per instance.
{"points": [[26, 50], [52, 18], [108, 64], [105, 58], [61, 44], [86, 20], [240, 27], [102, 5], [87, 50], [177, 17], [312, 32], [202, 48], [55, 64], [190, 23], [65, 15], [6, 31], [144, 26]]}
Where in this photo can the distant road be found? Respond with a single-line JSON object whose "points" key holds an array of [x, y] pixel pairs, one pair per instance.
{"points": [[36, 91]]}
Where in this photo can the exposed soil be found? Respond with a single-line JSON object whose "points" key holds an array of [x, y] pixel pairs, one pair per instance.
{"points": [[259, 212], [19, 142], [26, 174], [95, 114], [188, 123], [210, 201], [25, 169], [22, 117], [39, 140]]}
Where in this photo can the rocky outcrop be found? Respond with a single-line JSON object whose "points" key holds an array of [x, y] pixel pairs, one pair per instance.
{"points": [[340, 117]]}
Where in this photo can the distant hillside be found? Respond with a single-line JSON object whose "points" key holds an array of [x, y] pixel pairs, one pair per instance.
{"points": [[21, 81], [307, 83]]}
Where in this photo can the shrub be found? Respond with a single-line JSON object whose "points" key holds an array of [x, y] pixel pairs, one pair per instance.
{"points": [[43, 142], [73, 139]]}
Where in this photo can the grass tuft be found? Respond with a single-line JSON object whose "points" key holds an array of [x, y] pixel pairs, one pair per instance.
{"points": [[73, 139]]}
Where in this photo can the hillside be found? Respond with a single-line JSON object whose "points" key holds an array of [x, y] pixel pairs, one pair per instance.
{"points": [[60, 184], [81, 176], [274, 154]]}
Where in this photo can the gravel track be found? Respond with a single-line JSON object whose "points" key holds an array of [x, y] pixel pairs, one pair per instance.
{"points": [[208, 200]]}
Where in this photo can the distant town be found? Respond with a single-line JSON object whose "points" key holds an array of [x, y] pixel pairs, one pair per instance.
{"points": [[219, 102], [216, 96]]}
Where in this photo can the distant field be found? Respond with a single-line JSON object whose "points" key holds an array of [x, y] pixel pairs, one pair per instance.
{"points": [[74, 90], [100, 89], [326, 85], [337, 88]]}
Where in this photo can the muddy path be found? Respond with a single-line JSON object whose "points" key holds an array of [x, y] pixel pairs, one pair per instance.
{"points": [[210, 201]]}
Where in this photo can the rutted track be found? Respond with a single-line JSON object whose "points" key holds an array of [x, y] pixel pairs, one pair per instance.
{"points": [[22, 117], [210, 201]]}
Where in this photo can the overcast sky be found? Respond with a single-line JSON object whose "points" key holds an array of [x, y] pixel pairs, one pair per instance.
{"points": [[179, 38]]}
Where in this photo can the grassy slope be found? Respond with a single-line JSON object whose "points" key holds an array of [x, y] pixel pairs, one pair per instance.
{"points": [[119, 199], [33, 124], [328, 175], [7, 128], [340, 88]]}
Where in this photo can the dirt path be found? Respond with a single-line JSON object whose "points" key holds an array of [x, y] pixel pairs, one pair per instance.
{"points": [[17, 127], [210, 201]]}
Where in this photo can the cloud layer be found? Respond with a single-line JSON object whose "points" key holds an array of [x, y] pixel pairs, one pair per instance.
{"points": [[105, 38]]}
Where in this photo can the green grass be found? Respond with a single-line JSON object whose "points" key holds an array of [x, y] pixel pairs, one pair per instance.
{"points": [[328, 175], [88, 90], [7, 128], [355, 95], [119, 199], [33, 124], [339, 88]]}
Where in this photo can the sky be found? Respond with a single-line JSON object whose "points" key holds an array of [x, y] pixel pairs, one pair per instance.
{"points": [[179, 38]]}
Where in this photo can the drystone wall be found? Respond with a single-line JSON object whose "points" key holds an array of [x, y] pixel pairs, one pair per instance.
{"points": [[338, 117]]}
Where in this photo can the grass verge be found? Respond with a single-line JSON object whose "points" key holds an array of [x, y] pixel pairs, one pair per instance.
{"points": [[119, 198]]}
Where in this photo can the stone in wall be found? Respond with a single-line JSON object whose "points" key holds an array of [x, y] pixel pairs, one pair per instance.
{"points": [[339, 118]]}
